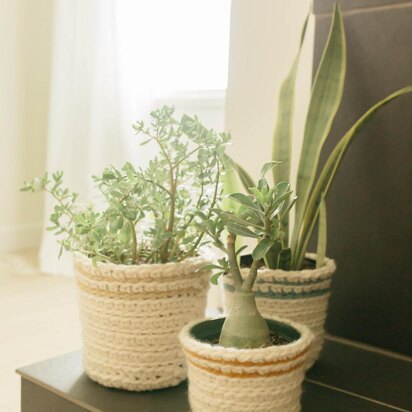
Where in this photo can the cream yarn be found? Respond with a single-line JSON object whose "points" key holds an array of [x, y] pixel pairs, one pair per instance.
{"points": [[301, 296], [246, 380], [131, 317]]}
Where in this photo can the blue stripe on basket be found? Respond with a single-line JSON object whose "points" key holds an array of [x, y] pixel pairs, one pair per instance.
{"points": [[288, 283], [284, 295]]}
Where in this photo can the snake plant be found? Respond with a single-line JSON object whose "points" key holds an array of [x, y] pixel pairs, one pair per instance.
{"points": [[313, 183]]}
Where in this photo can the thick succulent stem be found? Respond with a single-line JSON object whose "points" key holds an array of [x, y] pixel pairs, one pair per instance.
{"points": [[244, 327], [251, 278], [234, 267]]}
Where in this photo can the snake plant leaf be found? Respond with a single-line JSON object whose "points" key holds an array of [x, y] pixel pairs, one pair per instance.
{"points": [[272, 255], [322, 233], [282, 136], [285, 258], [261, 249], [326, 95], [244, 176], [328, 173], [230, 183]]}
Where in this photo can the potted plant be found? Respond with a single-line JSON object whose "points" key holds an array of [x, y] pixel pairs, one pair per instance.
{"points": [[138, 261], [296, 284], [246, 362]]}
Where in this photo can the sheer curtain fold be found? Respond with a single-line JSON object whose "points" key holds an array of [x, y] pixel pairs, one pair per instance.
{"points": [[94, 99]]}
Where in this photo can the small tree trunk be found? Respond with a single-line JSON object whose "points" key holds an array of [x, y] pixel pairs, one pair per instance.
{"points": [[244, 327]]}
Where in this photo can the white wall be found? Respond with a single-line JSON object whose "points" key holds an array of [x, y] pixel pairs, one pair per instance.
{"points": [[264, 39], [25, 27]]}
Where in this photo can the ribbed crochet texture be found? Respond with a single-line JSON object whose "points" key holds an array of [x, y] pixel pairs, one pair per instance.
{"points": [[131, 317], [246, 380], [301, 296]]}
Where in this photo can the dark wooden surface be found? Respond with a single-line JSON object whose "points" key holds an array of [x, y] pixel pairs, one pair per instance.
{"points": [[346, 378], [369, 204]]}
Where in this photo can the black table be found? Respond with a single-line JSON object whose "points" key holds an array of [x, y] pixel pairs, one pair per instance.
{"points": [[348, 377]]}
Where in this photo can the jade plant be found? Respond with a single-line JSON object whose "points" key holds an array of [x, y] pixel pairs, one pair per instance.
{"points": [[149, 216], [313, 182], [260, 216]]}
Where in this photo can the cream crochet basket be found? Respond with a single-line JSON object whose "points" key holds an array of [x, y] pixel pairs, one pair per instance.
{"points": [[131, 317], [246, 380], [301, 296]]}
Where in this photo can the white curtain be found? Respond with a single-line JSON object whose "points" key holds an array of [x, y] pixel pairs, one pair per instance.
{"points": [[97, 92], [109, 59]]}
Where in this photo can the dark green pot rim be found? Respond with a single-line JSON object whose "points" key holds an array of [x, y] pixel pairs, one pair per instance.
{"points": [[208, 331]]}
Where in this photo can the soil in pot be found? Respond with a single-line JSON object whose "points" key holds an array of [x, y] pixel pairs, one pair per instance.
{"points": [[208, 331]]}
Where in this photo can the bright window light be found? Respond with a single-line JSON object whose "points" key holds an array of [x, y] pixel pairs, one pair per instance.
{"points": [[186, 42]]}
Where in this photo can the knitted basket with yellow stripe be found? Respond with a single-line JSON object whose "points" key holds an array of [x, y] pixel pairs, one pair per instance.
{"points": [[246, 380], [301, 296], [131, 317]]}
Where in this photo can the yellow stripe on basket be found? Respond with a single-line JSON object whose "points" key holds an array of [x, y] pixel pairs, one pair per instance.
{"points": [[245, 375], [238, 363]]}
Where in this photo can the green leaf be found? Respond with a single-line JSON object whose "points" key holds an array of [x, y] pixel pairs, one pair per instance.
{"points": [[215, 277], [240, 230], [272, 255], [261, 249], [322, 234], [244, 200], [325, 100], [268, 166], [232, 218], [241, 249], [125, 235], [230, 183], [113, 226], [109, 176], [327, 175], [285, 258], [244, 177]]}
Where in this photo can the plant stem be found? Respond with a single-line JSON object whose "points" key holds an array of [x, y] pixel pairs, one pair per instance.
{"points": [[234, 267], [247, 285], [134, 242]]}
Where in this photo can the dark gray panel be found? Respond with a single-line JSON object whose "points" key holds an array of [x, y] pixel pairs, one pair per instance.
{"points": [[34, 398], [318, 398], [369, 206], [365, 373], [326, 6]]}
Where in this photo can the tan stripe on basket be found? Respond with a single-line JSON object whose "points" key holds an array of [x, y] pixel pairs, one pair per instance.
{"points": [[238, 363], [246, 375], [88, 275], [139, 295]]}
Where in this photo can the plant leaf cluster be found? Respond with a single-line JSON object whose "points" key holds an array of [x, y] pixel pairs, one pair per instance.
{"points": [[150, 213], [259, 216]]}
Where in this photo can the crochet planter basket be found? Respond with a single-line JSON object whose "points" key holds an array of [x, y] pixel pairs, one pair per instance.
{"points": [[246, 380], [131, 317], [301, 296]]}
